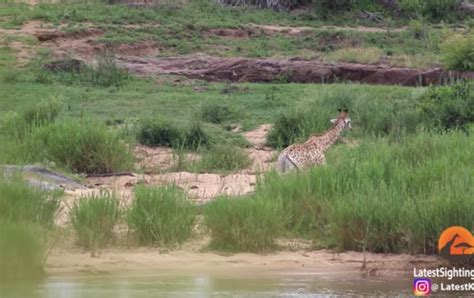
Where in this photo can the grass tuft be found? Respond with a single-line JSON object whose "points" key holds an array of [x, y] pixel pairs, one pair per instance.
{"points": [[161, 216], [245, 224], [94, 218]]}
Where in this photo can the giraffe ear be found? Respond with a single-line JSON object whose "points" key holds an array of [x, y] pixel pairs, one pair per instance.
{"points": [[339, 110], [333, 121], [345, 110]]}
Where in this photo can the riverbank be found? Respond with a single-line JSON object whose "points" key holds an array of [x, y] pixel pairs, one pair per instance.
{"points": [[191, 258]]}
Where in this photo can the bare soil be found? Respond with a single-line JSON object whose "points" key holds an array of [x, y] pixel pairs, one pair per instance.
{"points": [[191, 259]]}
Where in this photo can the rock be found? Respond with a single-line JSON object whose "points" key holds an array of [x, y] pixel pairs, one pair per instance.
{"points": [[269, 70], [42, 178], [68, 65]]}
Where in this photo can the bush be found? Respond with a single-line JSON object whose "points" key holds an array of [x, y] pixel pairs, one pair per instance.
{"points": [[448, 107], [105, 73], [20, 203], [163, 216], [22, 250], [159, 133], [285, 130], [80, 146], [165, 133], [439, 9], [195, 137], [94, 218], [18, 125], [245, 224], [215, 113], [458, 52], [223, 158]]}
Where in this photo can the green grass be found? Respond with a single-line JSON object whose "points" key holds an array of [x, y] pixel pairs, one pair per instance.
{"points": [[243, 224], [185, 31], [161, 216], [26, 214], [20, 203], [387, 196], [22, 250], [81, 147], [94, 218], [222, 158]]}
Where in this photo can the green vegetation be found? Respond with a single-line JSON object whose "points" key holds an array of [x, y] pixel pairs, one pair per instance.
{"points": [[223, 158], [161, 216], [82, 147], [449, 107], [158, 132], [94, 218], [383, 195], [105, 73], [215, 113], [243, 224], [22, 250], [20, 203], [25, 215], [458, 52], [404, 176]]}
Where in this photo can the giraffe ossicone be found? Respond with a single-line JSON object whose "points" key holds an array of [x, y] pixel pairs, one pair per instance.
{"points": [[311, 152]]}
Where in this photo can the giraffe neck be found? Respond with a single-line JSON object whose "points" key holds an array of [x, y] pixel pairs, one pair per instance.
{"points": [[327, 139]]}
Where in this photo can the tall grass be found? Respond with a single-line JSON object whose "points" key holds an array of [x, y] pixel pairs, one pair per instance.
{"points": [[244, 224], [22, 251], [94, 219], [157, 132], [161, 216], [19, 203], [383, 195], [25, 215], [80, 146]]}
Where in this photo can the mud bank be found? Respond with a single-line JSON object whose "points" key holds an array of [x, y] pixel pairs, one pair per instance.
{"points": [[289, 70]]}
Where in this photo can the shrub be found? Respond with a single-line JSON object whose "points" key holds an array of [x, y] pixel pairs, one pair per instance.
{"points": [[159, 133], [285, 130], [245, 224], [94, 218], [105, 73], [448, 107], [22, 250], [411, 6], [439, 9], [458, 52], [165, 133], [19, 202], [215, 113], [195, 137], [163, 216], [223, 158], [80, 146]]}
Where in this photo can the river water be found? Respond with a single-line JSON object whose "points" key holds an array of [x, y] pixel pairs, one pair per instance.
{"points": [[204, 285]]}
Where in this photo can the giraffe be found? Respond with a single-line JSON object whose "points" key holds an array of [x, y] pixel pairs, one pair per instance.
{"points": [[311, 152]]}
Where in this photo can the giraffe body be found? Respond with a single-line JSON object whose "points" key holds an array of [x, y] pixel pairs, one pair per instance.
{"points": [[311, 152]]}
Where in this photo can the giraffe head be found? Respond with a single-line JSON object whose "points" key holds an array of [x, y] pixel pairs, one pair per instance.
{"points": [[344, 118]]}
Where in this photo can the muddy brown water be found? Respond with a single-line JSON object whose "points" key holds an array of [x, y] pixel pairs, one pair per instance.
{"points": [[278, 284]]}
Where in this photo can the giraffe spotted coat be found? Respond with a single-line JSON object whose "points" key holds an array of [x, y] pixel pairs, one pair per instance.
{"points": [[311, 152]]}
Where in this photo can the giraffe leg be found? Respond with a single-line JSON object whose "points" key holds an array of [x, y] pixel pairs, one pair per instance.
{"points": [[284, 164]]}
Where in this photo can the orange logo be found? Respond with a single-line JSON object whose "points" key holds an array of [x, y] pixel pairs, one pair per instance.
{"points": [[456, 244]]}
